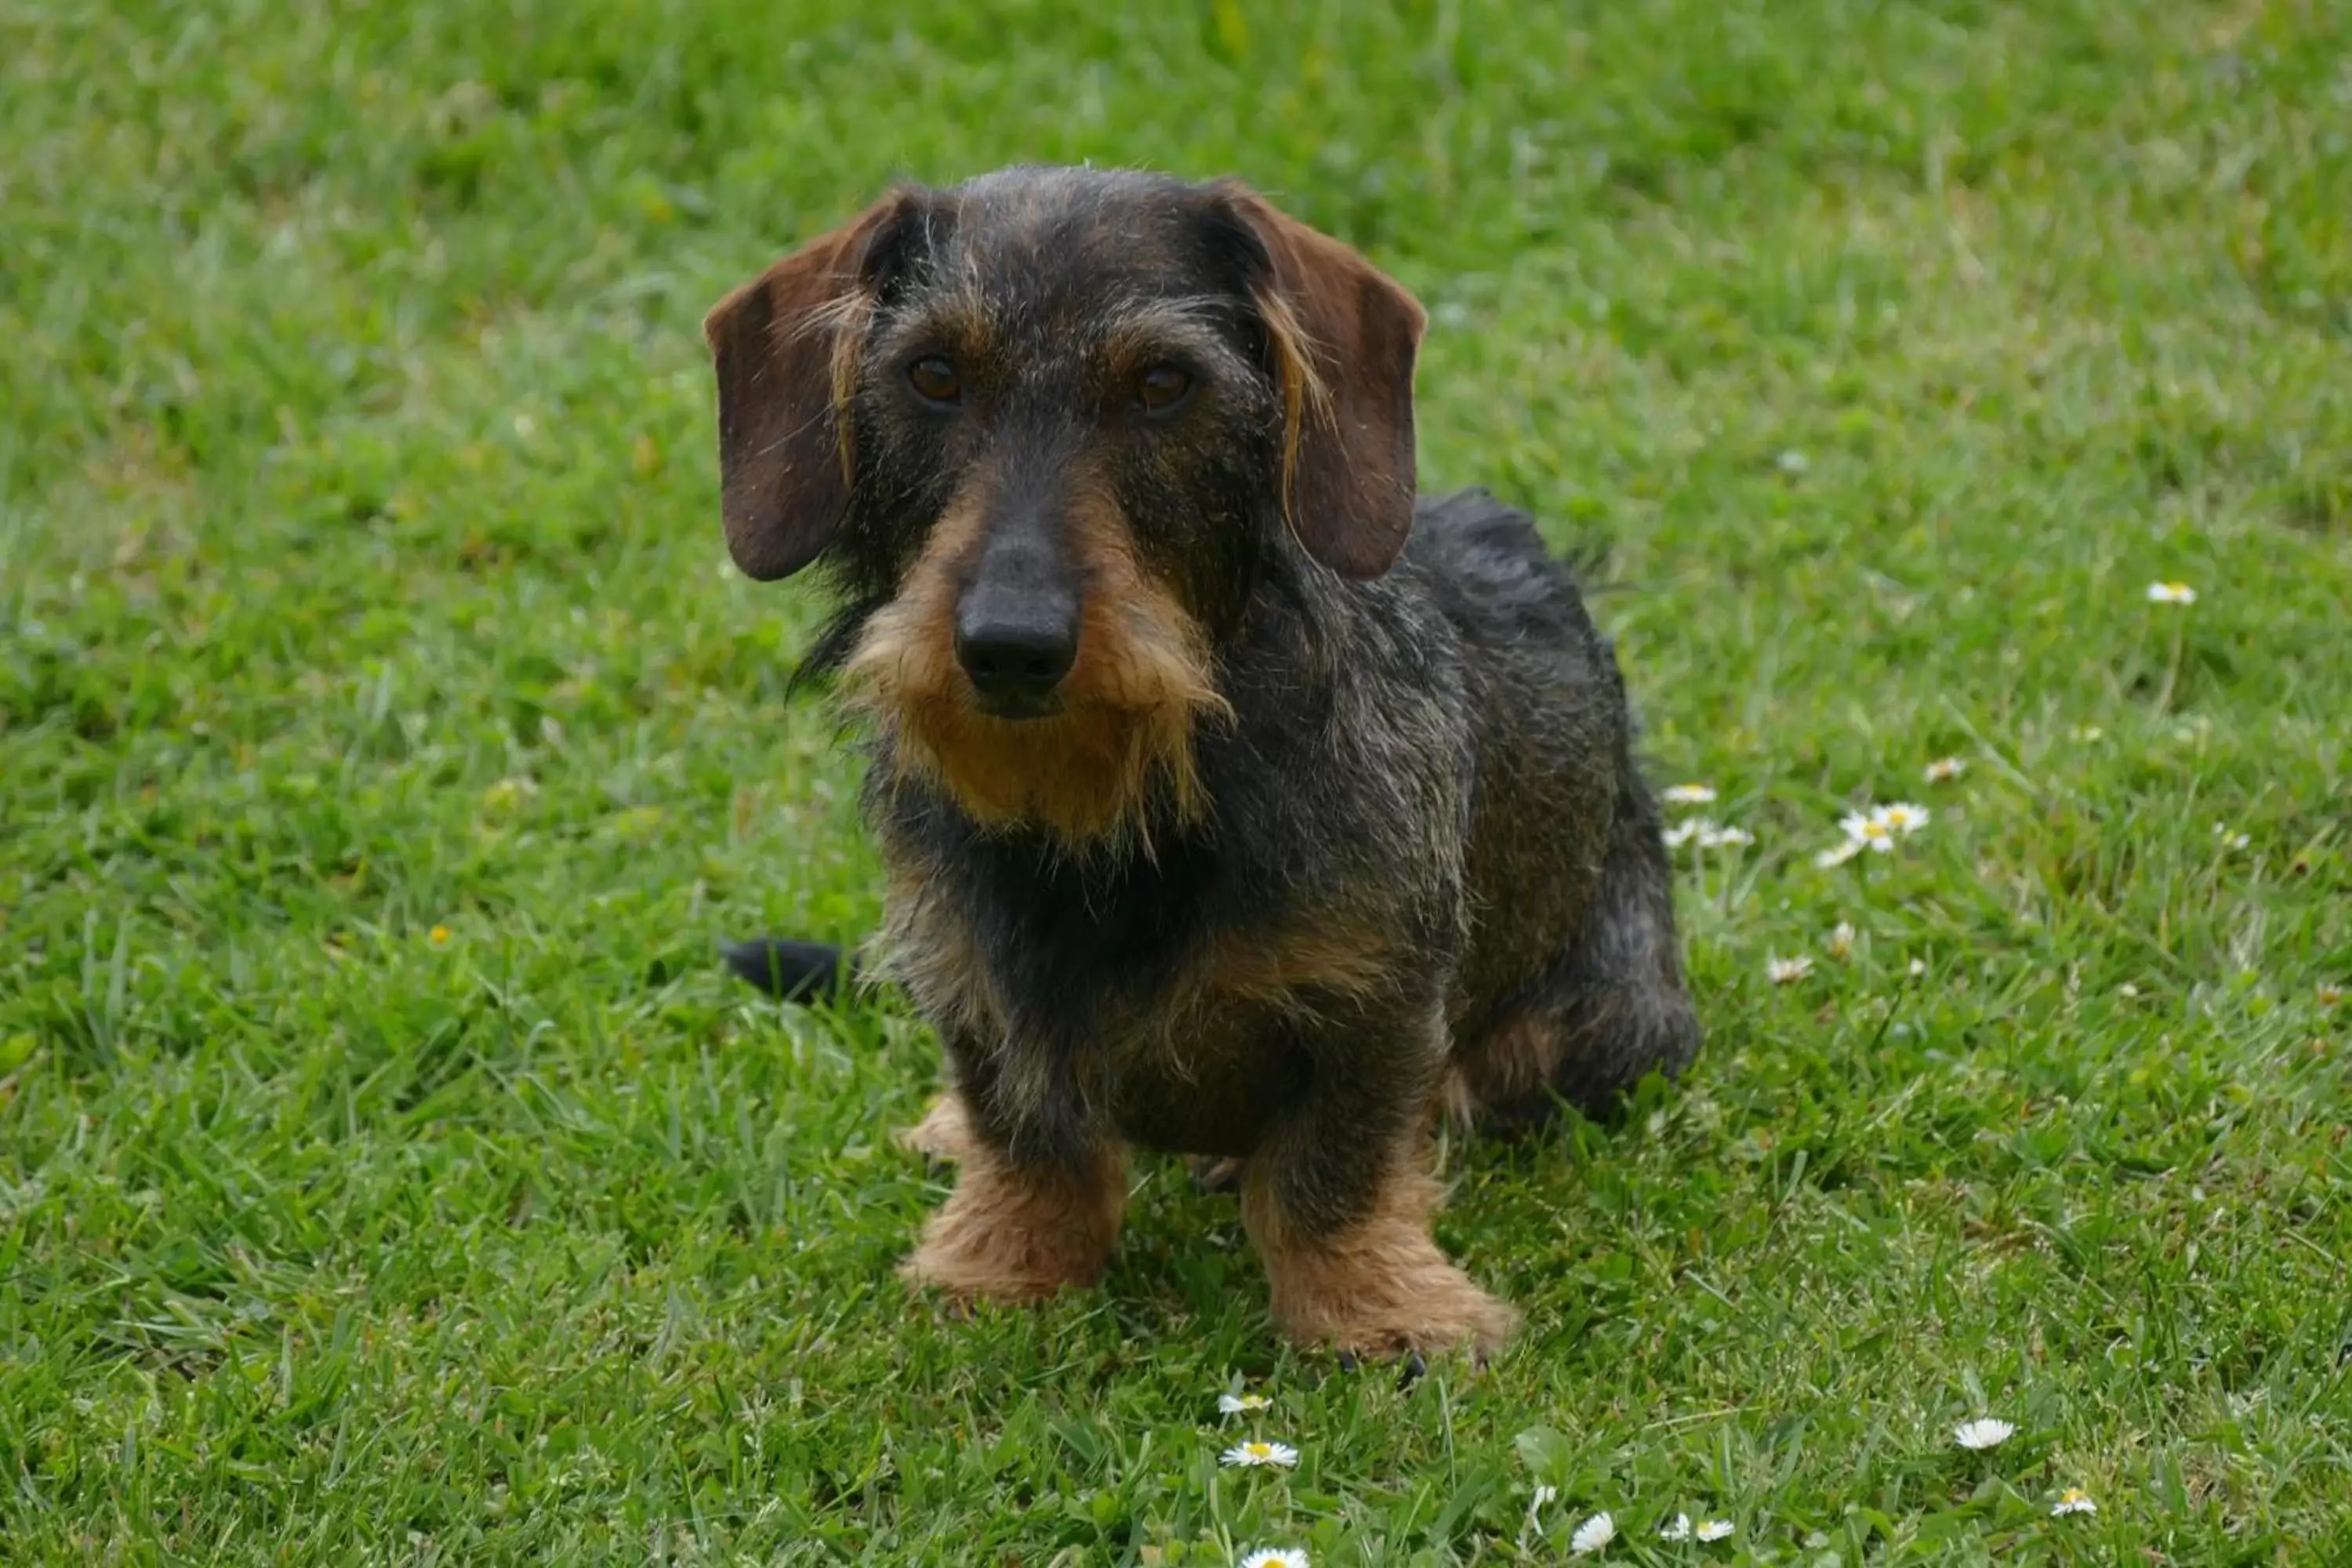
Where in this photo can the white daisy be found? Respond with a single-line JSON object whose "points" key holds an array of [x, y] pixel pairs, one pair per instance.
{"points": [[1543, 1495], [1984, 1432], [2074, 1500], [1724, 839], [1592, 1535], [1276, 1557], [1687, 794], [1676, 1528], [1867, 830], [1944, 770], [1846, 849], [1919, 967], [1687, 829], [1841, 942], [2329, 995], [1257, 1451], [1902, 818], [2171, 593], [1716, 1529], [1787, 971], [1242, 1403]]}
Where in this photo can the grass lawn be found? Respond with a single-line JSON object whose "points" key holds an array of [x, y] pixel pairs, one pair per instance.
{"points": [[388, 1173]]}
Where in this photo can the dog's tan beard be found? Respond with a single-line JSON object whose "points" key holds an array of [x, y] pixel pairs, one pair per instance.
{"points": [[1126, 713]]}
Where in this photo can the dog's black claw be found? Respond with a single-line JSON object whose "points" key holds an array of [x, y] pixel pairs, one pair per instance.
{"points": [[1413, 1372], [788, 971], [1348, 1361]]}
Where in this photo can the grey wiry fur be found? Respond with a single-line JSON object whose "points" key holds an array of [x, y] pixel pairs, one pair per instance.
{"points": [[1313, 839]]}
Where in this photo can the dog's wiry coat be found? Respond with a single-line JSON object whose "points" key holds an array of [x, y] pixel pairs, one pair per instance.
{"points": [[1328, 819]]}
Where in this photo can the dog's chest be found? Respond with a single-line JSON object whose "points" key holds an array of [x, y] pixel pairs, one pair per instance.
{"points": [[1117, 977], [1203, 1075]]}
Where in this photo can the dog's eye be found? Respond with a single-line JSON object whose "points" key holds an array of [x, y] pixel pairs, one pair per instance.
{"points": [[935, 377], [1162, 388]]}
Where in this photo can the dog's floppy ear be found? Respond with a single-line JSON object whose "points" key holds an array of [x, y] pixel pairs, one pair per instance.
{"points": [[1344, 335], [786, 348]]}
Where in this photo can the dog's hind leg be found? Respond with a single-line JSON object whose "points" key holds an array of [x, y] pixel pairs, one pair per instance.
{"points": [[1612, 1009]]}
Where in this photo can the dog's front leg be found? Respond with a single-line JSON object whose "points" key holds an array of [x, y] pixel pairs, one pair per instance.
{"points": [[1340, 1200], [1040, 1191]]}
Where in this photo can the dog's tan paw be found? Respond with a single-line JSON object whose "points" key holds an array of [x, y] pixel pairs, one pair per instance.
{"points": [[1429, 1306], [1008, 1275], [1217, 1174], [1015, 1236], [1380, 1288], [943, 1134]]}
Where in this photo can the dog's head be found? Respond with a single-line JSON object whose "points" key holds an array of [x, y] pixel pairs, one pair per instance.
{"points": [[1048, 428]]}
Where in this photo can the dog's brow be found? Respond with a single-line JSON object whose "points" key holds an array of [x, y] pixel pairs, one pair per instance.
{"points": [[960, 311], [1144, 326], [1182, 312]]}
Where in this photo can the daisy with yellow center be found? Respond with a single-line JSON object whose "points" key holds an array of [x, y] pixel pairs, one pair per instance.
{"points": [[2171, 593], [1902, 818], [1242, 1403], [1787, 971], [1867, 830], [1257, 1452], [1839, 945], [1276, 1557], [1944, 770], [2074, 1500], [2329, 995], [1687, 794]]}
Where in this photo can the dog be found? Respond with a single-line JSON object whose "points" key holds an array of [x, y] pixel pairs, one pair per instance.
{"points": [[1234, 800]]}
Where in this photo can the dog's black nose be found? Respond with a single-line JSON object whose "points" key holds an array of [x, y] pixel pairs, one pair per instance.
{"points": [[1016, 648]]}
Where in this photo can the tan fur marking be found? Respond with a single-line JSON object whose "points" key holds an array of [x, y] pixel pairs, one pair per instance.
{"points": [[1303, 392], [844, 318], [1519, 1059], [1276, 966], [1009, 1235], [1381, 1288], [1141, 678]]}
